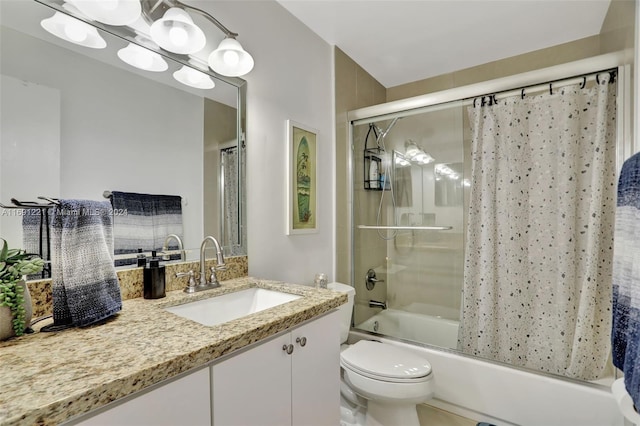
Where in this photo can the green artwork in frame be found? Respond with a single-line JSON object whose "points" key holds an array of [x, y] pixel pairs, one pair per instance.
{"points": [[302, 209]]}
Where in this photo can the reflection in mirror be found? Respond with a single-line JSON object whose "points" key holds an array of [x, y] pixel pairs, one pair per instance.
{"points": [[449, 185], [77, 122]]}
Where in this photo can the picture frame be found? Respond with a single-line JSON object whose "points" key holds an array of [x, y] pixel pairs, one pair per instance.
{"points": [[302, 209]]}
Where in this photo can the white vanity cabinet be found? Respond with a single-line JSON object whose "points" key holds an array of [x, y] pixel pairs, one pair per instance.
{"points": [[184, 401], [292, 379]]}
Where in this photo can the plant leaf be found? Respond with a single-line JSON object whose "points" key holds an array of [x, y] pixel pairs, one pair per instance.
{"points": [[5, 250]]}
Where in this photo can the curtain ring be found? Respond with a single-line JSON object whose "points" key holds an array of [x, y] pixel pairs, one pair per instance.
{"points": [[483, 102], [522, 94], [584, 82], [598, 79], [474, 102], [612, 75], [495, 101], [550, 88]]}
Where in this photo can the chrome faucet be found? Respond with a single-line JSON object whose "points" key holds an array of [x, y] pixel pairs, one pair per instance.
{"points": [[165, 247], [212, 282], [376, 304]]}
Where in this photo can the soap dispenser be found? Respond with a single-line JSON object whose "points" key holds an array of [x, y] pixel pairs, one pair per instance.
{"points": [[142, 259], [154, 279]]}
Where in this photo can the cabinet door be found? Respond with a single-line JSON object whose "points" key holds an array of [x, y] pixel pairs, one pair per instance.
{"points": [[184, 401], [316, 372], [253, 388]]}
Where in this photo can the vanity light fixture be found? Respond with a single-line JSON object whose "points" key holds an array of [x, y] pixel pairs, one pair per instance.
{"points": [[175, 30], [194, 78], [400, 160], [423, 158], [167, 23], [444, 171], [110, 12], [142, 58], [230, 59], [73, 30], [177, 33], [416, 154]]}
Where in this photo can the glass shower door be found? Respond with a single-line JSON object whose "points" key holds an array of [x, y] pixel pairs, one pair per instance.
{"points": [[408, 228]]}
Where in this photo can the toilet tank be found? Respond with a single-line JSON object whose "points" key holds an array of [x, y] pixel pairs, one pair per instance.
{"points": [[346, 309]]}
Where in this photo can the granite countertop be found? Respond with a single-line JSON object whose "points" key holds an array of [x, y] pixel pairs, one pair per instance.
{"points": [[46, 378]]}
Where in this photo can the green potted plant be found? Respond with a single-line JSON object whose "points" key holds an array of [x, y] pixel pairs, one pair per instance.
{"points": [[14, 265]]}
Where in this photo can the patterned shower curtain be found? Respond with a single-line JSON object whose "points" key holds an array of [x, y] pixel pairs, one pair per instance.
{"points": [[537, 284], [231, 209]]}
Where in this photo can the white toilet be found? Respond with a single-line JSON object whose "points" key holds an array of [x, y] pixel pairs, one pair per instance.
{"points": [[391, 379]]}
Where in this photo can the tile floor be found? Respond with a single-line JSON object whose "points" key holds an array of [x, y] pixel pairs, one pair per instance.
{"points": [[432, 416]]}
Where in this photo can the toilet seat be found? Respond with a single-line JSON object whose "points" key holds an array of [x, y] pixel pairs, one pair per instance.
{"points": [[385, 363]]}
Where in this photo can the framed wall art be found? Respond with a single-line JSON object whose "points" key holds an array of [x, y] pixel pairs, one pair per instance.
{"points": [[301, 179]]}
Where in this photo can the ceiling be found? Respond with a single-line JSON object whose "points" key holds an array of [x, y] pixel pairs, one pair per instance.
{"points": [[398, 41]]}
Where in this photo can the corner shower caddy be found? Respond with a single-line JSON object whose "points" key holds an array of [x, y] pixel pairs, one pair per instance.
{"points": [[372, 155]]}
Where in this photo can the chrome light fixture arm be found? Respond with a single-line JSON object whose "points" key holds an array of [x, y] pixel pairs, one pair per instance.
{"points": [[150, 7], [208, 16]]}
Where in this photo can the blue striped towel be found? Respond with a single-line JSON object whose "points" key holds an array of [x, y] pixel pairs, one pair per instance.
{"points": [[85, 284], [625, 336], [36, 237], [144, 221]]}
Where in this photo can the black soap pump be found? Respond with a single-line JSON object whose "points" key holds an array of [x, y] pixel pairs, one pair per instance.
{"points": [[142, 259], [154, 279]]}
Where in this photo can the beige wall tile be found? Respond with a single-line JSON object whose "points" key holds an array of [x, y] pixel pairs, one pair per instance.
{"points": [[618, 28], [355, 88]]}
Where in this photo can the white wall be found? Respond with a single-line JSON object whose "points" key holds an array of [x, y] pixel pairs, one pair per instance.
{"points": [[292, 79], [29, 141]]}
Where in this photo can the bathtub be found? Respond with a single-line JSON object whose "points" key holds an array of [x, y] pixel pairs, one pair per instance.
{"points": [[503, 395], [413, 326]]}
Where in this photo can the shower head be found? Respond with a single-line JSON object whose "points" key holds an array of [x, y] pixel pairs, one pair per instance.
{"points": [[383, 133]]}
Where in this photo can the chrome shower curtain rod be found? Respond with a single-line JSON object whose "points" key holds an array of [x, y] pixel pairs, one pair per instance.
{"points": [[438, 100], [550, 85]]}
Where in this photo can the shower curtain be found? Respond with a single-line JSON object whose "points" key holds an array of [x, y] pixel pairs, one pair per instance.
{"points": [[231, 208], [537, 278]]}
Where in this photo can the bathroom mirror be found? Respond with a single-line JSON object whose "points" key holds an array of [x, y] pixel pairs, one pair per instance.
{"points": [[78, 121]]}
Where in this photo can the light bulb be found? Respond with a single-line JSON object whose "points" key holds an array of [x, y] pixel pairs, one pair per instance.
{"points": [[178, 36], [231, 57], [75, 31]]}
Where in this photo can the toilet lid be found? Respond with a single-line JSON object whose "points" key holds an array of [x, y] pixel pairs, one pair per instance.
{"points": [[385, 361]]}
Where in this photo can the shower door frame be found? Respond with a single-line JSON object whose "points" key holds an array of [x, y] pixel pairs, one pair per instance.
{"points": [[625, 142]]}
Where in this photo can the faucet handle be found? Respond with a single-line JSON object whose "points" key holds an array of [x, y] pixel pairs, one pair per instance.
{"points": [[214, 277], [191, 287], [165, 256]]}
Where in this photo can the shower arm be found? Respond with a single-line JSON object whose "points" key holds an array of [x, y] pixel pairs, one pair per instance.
{"points": [[383, 133]]}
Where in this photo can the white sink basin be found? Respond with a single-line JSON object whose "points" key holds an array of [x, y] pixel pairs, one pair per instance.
{"points": [[227, 307]]}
